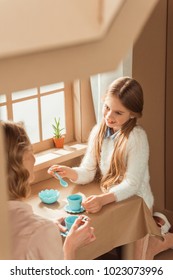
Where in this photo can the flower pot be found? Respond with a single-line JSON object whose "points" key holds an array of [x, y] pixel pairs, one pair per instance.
{"points": [[59, 142]]}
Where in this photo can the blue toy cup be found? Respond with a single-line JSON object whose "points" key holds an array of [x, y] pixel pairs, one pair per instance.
{"points": [[69, 221], [74, 201]]}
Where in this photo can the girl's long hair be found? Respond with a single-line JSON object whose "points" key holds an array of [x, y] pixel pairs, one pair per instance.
{"points": [[16, 143], [130, 94]]}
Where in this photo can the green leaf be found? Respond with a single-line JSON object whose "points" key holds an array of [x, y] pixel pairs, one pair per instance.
{"points": [[56, 128]]}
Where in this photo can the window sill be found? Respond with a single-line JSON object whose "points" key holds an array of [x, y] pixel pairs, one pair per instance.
{"points": [[54, 156]]}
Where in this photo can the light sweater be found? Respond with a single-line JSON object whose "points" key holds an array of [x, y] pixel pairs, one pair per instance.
{"points": [[136, 180], [32, 237]]}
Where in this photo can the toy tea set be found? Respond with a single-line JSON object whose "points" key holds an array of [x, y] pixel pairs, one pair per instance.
{"points": [[73, 206]]}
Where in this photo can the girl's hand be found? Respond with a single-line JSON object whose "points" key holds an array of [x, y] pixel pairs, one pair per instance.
{"points": [[63, 171], [93, 203]]}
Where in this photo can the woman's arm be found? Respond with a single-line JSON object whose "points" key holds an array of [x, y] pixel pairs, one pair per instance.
{"points": [[46, 241], [80, 234]]}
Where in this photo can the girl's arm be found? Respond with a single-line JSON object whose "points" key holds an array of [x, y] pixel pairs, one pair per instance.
{"points": [[94, 203], [63, 171], [87, 169], [85, 173], [137, 166]]}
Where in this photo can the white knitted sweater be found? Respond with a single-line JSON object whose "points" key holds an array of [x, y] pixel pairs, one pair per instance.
{"points": [[136, 181]]}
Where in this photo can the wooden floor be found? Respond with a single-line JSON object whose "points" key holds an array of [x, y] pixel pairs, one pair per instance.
{"points": [[166, 255], [116, 255]]}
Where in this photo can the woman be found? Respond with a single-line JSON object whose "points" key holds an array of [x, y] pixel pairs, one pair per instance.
{"points": [[33, 237]]}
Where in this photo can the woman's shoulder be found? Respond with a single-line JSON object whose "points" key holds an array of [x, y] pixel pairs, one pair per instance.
{"points": [[21, 213]]}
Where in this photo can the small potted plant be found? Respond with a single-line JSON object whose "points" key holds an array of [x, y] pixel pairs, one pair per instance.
{"points": [[58, 136]]}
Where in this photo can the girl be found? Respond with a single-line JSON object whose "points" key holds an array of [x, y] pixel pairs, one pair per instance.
{"points": [[118, 154], [117, 151], [33, 237]]}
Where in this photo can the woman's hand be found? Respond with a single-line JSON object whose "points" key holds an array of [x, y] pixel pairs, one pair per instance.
{"points": [[61, 224], [63, 171], [80, 234]]}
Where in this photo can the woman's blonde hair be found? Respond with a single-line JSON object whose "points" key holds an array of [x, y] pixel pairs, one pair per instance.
{"points": [[130, 93], [16, 143]]}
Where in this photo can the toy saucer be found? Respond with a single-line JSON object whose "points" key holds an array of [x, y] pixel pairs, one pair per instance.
{"points": [[68, 209]]}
